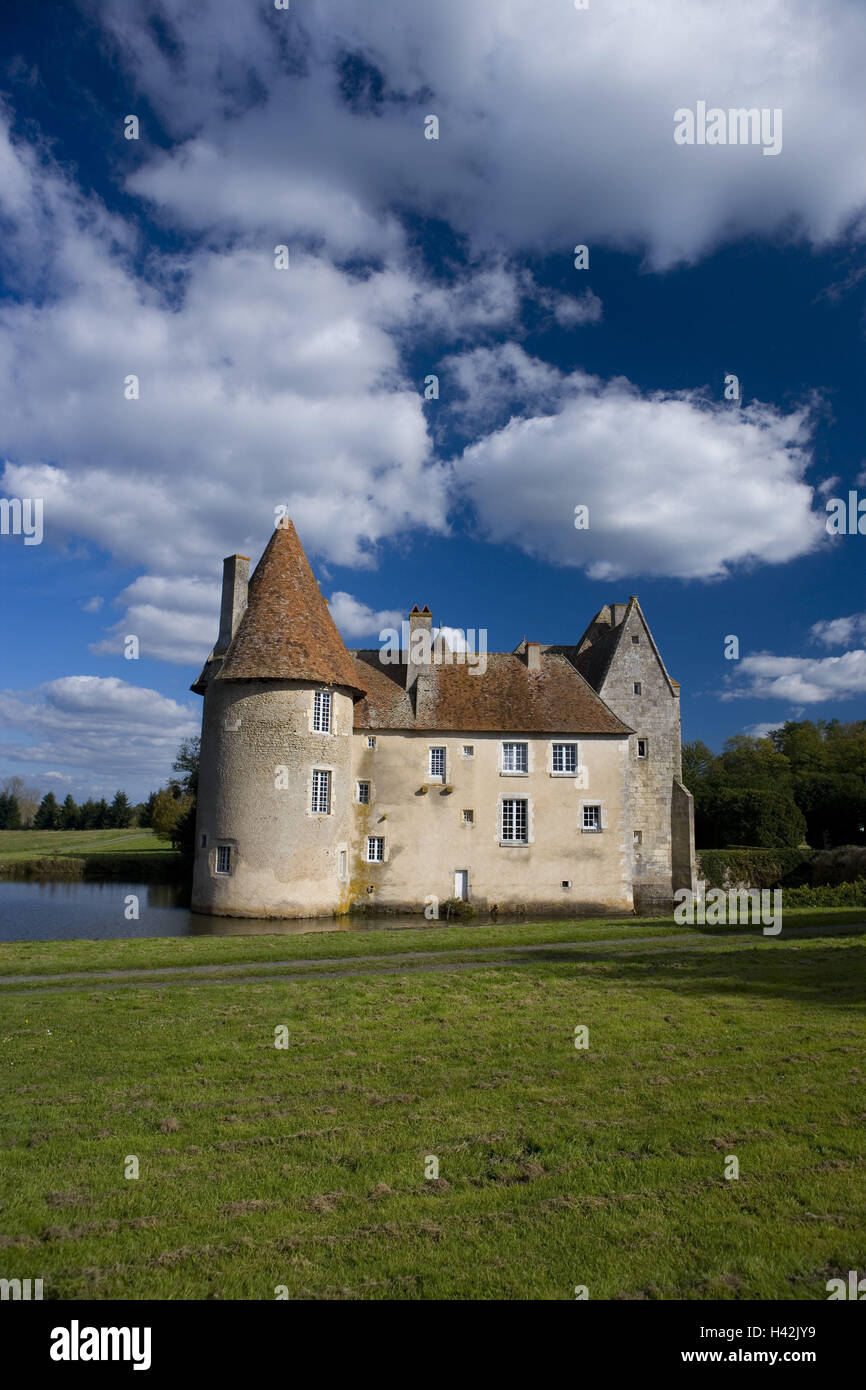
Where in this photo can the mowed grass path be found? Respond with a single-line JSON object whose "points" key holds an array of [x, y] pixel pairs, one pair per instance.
{"points": [[305, 1167]]}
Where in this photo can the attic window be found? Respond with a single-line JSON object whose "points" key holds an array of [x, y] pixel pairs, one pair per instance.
{"points": [[637, 687], [468, 817], [469, 750], [371, 741], [635, 640]]}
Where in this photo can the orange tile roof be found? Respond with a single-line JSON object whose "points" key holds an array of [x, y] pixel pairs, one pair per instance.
{"points": [[287, 632], [507, 698]]}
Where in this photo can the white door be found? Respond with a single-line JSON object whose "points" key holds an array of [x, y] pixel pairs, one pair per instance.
{"points": [[461, 885]]}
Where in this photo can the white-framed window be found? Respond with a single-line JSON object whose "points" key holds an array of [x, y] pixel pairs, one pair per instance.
{"points": [[322, 701], [468, 817], [592, 816], [437, 763], [515, 820], [565, 758], [371, 740], [223, 859], [375, 849], [469, 750], [363, 793], [321, 803], [515, 757], [638, 688], [642, 747]]}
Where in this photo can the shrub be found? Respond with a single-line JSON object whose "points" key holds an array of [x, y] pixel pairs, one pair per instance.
{"points": [[827, 895], [456, 907]]}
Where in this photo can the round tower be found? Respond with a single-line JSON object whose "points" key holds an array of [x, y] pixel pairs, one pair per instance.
{"points": [[274, 792]]}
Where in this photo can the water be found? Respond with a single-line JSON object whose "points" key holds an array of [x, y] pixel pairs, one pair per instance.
{"points": [[65, 911]]}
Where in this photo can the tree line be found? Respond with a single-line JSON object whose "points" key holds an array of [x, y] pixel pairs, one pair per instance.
{"points": [[170, 811], [805, 783]]}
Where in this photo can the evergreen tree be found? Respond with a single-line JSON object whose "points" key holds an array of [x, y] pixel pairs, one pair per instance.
{"points": [[48, 815], [69, 814], [120, 811]]}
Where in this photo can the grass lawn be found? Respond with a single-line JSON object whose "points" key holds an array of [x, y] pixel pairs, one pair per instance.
{"points": [[19, 845], [305, 1166]]}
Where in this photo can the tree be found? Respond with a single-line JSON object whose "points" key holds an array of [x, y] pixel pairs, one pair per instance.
{"points": [[167, 812], [87, 815], [120, 811], [69, 814], [10, 812], [186, 766], [48, 815], [28, 798], [103, 815]]}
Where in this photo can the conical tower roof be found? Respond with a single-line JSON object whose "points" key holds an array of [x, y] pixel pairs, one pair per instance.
{"points": [[287, 632]]}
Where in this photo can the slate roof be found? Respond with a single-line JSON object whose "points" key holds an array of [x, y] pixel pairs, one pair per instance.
{"points": [[507, 698]]}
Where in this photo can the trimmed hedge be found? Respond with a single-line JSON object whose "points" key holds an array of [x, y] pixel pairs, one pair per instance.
{"points": [[827, 895], [759, 868]]}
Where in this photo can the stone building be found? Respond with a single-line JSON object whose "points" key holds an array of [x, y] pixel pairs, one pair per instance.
{"points": [[545, 780]]}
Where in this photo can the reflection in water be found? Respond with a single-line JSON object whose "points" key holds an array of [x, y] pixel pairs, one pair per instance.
{"points": [[70, 910]]}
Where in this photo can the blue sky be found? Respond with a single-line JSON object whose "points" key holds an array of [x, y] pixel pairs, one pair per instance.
{"points": [[410, 256]]}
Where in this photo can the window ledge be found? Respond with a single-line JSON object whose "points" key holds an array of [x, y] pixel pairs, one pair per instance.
{"points": [[514, 774], [514, 844]]}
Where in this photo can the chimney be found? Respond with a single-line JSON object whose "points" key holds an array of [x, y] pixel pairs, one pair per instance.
{"points": [[236, 578], [533, 656], [617, 613], [420, 644]]}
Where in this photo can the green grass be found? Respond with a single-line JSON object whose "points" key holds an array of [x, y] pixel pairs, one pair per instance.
{"points": [[153, 953], [19, 845], [304, 1167]]}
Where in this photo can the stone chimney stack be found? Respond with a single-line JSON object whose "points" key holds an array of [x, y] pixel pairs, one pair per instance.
{"points": [[236, 578], [420, 649], [533, 656], [617, 613]]}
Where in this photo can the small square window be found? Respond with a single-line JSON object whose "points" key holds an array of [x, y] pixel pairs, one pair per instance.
{"points": [[364, 793], [641, 747], [224, 859], [635, 640], [468, 817], [637, 687], [322, 712], [437, 762], [469, 750], [592, 818], [515, 757], [321, 805], [375, 849], [637, 837], [371, 741]]}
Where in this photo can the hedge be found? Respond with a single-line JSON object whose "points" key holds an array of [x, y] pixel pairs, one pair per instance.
{"points": [[759, 868]]}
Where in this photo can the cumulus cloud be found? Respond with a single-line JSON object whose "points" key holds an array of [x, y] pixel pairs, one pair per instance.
{"points": [[318, 114], [99, 732], [837, 632], [675, 484], [357, 619], [805, 680]]}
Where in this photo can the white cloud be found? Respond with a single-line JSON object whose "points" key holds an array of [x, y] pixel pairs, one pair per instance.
{"points": [[675, 484], [357, 619], [837, 632], [533, 119], [98, 728], [806, 680], [763, 730], [93, 605]]}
